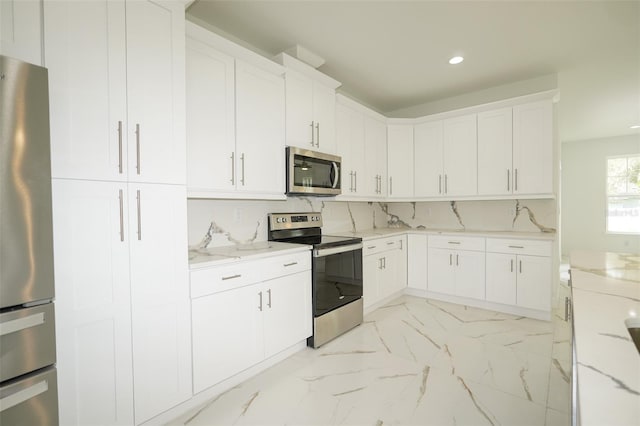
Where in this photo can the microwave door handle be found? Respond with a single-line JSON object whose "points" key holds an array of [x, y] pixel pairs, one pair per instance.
{"points": [[336, 174]]}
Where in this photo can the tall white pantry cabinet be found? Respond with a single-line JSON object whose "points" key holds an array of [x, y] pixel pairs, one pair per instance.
{"points": [[116, 76]]}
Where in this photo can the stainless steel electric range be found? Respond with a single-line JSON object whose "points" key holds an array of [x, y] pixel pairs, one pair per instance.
{"points": [[336, 271]]}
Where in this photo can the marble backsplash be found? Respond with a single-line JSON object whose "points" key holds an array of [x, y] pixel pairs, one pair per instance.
{"points": [[216, 223]]}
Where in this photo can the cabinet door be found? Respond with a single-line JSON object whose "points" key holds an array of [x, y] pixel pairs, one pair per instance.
{"points": [[227, 335], [93, 317], [324, 112], [533, 148], [20, 30], [259, 130], [287, 311], [440, 274], [470, 274], [159, 298], [375, 178], [417, 262], [156, 91], [428, 160], [85, 55], [351, 147], [300, 124], [460, 156], [494, 152], [371, 270], [501, 278], [394, 272], [534, 282], [210, 119], [400, 169]]}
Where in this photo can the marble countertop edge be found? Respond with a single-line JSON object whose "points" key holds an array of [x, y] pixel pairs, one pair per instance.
{"points": [[369, 234], [217, 256]]}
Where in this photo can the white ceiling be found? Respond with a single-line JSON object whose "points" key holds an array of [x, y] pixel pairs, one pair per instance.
{"points": [[393, 55]]}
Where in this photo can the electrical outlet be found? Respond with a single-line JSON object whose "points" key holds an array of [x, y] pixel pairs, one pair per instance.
{"points": [[237, 215]]}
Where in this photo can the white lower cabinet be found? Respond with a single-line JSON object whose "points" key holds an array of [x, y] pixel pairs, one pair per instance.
{"points": [[519, 273], [384, 267], [417, 262], [247, 312], [122, 300], [456, 271]]}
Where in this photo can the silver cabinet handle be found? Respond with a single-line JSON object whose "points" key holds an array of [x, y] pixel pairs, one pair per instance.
{"points": [[139, 216], [233, 168], [439, 184], [260, 305], [511, 265], [380, 263], [371, 247], [516, 180], [351, 181], [355, 181], [390, 185], [23, 395], [518, 247], [457, 263], [446, 186], [390, 243], [508, 180], [290, 264], [318, 135], [384, 262], [138, 148], [312, 135], [120, 146], [376, 178], [450, 259], [269, 301], [520, 266], [567, 308], [242, 169], [453, 242], [400, 244], [120, 196], [570, 283], [231, 277]]}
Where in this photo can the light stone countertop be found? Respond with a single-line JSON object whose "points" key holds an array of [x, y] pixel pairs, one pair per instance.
{"points": [[216, 256], [605, 292], [370, 234]]}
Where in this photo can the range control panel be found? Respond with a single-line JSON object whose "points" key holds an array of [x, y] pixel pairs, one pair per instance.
{"points": [[279, 221]]}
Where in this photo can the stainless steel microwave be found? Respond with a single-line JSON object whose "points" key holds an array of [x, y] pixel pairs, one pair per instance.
{"points": [[312, 173]]}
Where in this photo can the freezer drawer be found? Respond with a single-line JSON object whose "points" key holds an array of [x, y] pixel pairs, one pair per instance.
{"points": [[27, 340], [33, 400]]}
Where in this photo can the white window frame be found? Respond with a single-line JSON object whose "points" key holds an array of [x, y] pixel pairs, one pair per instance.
{"points": [[608, 196]]}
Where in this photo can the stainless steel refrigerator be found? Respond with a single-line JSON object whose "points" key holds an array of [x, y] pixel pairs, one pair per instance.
{"points": [[28, 382]]}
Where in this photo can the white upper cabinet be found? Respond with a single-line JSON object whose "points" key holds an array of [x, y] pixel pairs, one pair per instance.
{"points": [[374, 184], [460, 155], [495, 171], [310, 106], [533, 148], [351, 148], [428, 159], [399, 154], [260, 130], [211, 142], [21, 30], [116, 78]]}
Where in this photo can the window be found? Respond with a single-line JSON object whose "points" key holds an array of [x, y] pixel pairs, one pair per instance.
{"points": [[623, 194]]}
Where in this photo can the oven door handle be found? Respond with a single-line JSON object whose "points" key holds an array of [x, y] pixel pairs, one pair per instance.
{"points": [[336, 250]]}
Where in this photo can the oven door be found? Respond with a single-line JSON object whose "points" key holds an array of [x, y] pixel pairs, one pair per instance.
{"points": [[337, 277], [310, 172]]}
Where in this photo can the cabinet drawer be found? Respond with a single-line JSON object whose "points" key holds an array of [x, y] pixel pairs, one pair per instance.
{"points": [[456, 242], [510, 246], [286, 265], [382, 244], [222, 278]]}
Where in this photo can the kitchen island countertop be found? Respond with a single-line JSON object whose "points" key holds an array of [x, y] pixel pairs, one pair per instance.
{"points": [[605, 292]]}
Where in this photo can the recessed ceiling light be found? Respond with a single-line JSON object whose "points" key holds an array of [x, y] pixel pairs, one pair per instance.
{"points": [[456, 60], [635, 126]]}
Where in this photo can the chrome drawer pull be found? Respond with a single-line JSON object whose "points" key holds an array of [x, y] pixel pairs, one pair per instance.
{"points": [[390, 243], [23, 395], [290, 264], [520, 247], [453, 242], [231, 277], [20, 324], [371, 247]]}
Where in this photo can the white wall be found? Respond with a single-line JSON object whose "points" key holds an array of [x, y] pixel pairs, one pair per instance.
{"points": [[583, 205]]}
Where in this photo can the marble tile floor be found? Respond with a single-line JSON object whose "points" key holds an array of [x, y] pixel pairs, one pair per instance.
{"points": [[413, 362]]}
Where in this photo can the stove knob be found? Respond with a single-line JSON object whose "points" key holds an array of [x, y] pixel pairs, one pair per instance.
{"points": [[313, 219], [284, 219], [278, 220]]}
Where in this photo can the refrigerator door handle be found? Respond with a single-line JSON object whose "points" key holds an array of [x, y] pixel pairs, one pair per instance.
{"points": [[21, 323], [23, 395]]}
